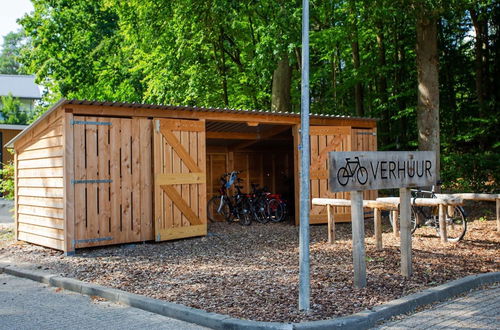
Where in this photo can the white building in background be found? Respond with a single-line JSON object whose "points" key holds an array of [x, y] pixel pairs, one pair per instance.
{"points": [[22, 87]]}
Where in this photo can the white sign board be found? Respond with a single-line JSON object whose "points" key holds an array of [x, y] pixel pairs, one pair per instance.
{"points": [[364, 170]]}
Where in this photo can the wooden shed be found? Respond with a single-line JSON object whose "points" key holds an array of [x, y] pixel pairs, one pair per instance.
{"points": [[97, 173]]}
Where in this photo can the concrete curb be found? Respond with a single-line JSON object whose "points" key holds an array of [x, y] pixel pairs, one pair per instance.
{"points": [[362, 320]]}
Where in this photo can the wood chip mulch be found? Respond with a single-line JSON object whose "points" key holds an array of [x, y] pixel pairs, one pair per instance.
{"points": [[252, 272]]}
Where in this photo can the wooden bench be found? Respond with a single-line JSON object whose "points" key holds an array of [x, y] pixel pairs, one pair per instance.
{"points": [[442, 201], [483, 197], [377, 207]]}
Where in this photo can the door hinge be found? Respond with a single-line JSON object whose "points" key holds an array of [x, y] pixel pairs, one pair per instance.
{"points": [[82, 122], [92, 240], [90, 181]]}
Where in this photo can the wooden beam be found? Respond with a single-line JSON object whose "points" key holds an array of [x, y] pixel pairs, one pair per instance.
{"points": [[358, 239], [69, 189], [95, 110], [181, 151], [179, 178], [232, 135], [182, 205], [263, 136]]}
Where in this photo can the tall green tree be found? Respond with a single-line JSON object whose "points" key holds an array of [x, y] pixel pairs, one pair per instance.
{"points": [[13, 42]]}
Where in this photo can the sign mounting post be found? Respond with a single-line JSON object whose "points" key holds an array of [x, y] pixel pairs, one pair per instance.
{"points": [[357, 171], [305, 199]]}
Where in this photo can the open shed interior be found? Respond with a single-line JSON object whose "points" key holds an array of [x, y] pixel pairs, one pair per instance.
{"points": [[263, 153]]}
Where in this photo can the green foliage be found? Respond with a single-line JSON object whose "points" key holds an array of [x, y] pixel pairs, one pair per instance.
{"points": [[11, 111], [223, 53], [471, 172], [13, 42], [7, 181]]}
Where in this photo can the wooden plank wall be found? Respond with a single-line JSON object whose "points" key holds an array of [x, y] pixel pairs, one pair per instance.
{"points": [[271, 169], [39, 184], [324, 140], [119, 211]]}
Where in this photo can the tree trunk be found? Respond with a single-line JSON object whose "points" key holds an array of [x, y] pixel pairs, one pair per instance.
{"points": [[382, 91], [399, 132], [358, 87], [481, 61], [428, 85], [282, 83]]}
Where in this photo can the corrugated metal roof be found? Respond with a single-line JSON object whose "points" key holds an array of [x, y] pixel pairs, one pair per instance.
{"points": [[21, 86], [13, 127], [202, 109], [63, 101]]}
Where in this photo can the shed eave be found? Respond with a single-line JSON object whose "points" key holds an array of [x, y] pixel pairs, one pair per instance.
{"points": [[10, 144], [64, 101]]}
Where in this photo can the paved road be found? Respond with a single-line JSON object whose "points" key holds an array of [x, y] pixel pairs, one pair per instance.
{"points": [[5, 211], [478, 310], [25, 304]]}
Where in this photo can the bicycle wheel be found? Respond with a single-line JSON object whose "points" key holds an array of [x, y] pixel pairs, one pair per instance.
{"points": [[456, 224], [244, 212], [218, 210], [413, 220], [259, 211], [362, 175], [343, 176], [275, 210]]}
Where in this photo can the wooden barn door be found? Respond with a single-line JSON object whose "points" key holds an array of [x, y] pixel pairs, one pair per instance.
{"points": [[180, 179], [323, 140], [112, 180]]}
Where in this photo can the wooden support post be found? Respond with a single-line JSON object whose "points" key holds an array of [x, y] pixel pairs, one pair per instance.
{"points": [[442, 223], [498, 214], [377, 219], [16, 198], [405, 231], [358, 239], [395, 222], [331, 224], [69, 189]]}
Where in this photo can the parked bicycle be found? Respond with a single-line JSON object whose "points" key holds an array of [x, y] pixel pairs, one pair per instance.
{"points": [[273, 205], [260, 205], [456, 218], [230, 208]]}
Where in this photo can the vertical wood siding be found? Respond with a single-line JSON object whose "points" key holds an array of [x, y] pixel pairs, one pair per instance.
{"points": [[117, 154]]}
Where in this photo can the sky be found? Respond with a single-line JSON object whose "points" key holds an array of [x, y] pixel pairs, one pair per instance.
{"points": [[10, 11]]}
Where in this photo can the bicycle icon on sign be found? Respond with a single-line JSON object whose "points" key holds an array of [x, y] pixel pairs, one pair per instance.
{"points": [[347, 172]]}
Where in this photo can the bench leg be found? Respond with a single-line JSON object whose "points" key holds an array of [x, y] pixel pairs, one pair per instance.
{"points": [[395, 223], [377, 219], [442, 223], [331, 224]]}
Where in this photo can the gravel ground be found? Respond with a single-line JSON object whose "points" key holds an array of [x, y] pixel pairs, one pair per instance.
{"points": [[252, 272]]}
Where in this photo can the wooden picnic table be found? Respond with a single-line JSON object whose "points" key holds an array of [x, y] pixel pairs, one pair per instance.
{"points": [[483, 197], [377, 207], [442, 201]]}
